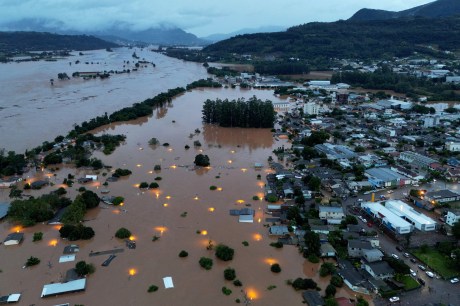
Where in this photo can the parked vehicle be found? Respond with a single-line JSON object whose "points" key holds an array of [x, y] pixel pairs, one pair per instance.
{"points": [[454, 280], [413, 260], [394, 299], [395, 256], [430, 274], [421, 281], [406, 255], [421, 267], [412, 272], [399, 248]]}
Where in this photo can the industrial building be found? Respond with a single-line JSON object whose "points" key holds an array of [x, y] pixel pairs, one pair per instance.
{"points": [[385, 177], [391, 220], [419, 220]]}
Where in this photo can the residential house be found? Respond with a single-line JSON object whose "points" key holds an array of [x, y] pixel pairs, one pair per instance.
{"points": [[379, 270], [333, 215], [356, 248], [13, 239], [442, 196], [313, 298], [417, 160], [452, 217], [372, 255], [327, 250], [351, 277]]}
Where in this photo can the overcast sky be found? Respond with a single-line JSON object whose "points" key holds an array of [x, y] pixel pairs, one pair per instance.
{"points": [[200, 17]]}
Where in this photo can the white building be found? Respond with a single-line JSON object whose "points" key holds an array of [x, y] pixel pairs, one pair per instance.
{"points": [[453, 146], [453, 79], [388, 217], [311, 108], [452, 217], [404, 211]]}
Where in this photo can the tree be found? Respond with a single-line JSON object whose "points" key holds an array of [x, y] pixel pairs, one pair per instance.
{"points": [[316, 137], [362, 301], [456, 230], [312, 243], [224, 252], [32, 261], [118, 201], [327, 268], [123, 233], [304, 284], [330, 290], [205, 263], [37, 236], [229, 274], [275, 268], [202, 160], [82, 268], [337, 281], [90, 199], [183, 254]]}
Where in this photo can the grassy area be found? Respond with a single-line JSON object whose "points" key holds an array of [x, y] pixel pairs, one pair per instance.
{"points": [[440, 263], [409, 282]]}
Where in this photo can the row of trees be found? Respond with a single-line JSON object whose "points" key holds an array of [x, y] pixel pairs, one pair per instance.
{"points": [[253, 113]]}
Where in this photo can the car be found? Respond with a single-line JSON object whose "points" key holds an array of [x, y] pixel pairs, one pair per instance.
{"points": [[412, 272], [454, 280], [390, 191], [406, 255], [369, 224], [399, 248], [364, 220], [416, 185], [394, 299], [413, 260], [421, 281], [421, 267], [430, 274], [395, 256]]}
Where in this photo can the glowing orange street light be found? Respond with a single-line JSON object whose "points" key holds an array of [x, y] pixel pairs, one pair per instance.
{"points": [[132, 272]]}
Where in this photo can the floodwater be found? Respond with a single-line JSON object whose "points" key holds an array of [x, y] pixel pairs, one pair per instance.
{"points": [[184, 213], [33, 111]]}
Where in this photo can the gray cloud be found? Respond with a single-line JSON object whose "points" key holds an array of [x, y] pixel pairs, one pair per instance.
{"points": [[199, 17]]}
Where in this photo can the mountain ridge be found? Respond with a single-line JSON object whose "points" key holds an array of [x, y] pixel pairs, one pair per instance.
{"points": [[436, 9]]}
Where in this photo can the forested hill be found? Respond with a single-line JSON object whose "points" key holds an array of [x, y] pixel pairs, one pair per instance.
{"points": [[42, 41], [349, 39], [439, 8]]}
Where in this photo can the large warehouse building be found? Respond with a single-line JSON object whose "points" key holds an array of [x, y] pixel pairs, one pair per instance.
{"points": [[388, 217], [419, 220]]}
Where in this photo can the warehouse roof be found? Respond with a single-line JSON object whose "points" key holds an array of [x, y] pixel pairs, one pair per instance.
{"points": [[384, 174], [385, 213], [402, 209]]}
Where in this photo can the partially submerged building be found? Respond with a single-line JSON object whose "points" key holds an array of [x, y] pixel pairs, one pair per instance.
{"points": [[62, 288]]}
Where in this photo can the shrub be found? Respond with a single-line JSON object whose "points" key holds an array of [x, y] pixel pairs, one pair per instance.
{"points": [[166, 144], [255, 198], [304, 284], [187, 147], [153, 141], [275, 268], [224, 252], [271, 287], [27, 186], [272, 198], [277, 245], [81, 189], [213, 187], [245, 243], [229, 274], [197, 143], [183, 254], [32, 261], [152, 288], [118, 201], [158, 178], [143, 185], [206, 263], [157, 168], [226, 291], [82, 268], [123, 233], [237, 283], [202, 160], [37, 236], [154, 185], [121, 172]]}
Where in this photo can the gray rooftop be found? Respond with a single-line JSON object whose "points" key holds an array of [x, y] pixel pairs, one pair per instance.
{"points": [[312, 298], [380, 267], [360, 244], [336, 209], [384, 174], [442, 194], [4, 209]]}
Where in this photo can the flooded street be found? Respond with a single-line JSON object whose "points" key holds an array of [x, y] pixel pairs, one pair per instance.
{"points": [[33, 111], [183, 213]]}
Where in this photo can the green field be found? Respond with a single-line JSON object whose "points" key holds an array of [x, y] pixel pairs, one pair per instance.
{"points": [[440, 263]]}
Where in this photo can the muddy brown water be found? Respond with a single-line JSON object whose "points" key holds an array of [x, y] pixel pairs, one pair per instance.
{"points": [[183, 212]]}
